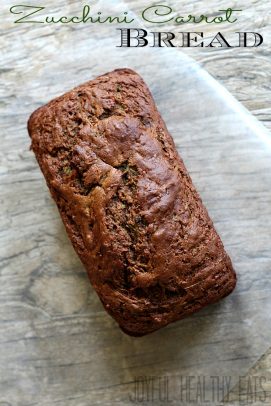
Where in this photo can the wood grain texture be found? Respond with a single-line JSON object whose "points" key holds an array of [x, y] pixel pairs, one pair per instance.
{"points": [[245, 72], [242, 393], [57, 344]]}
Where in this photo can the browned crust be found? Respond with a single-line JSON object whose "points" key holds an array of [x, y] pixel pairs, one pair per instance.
{"points": [[128, 203]]}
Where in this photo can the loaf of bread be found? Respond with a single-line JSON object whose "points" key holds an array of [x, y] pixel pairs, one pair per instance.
{"points": [[128, 203]]}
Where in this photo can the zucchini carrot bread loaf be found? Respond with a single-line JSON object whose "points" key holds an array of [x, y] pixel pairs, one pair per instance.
{"points": [[128, 203]]}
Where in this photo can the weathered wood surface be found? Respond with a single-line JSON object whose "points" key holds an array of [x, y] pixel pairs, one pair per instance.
{"points": [[245, 72], [262, 370], [58, 346]]}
